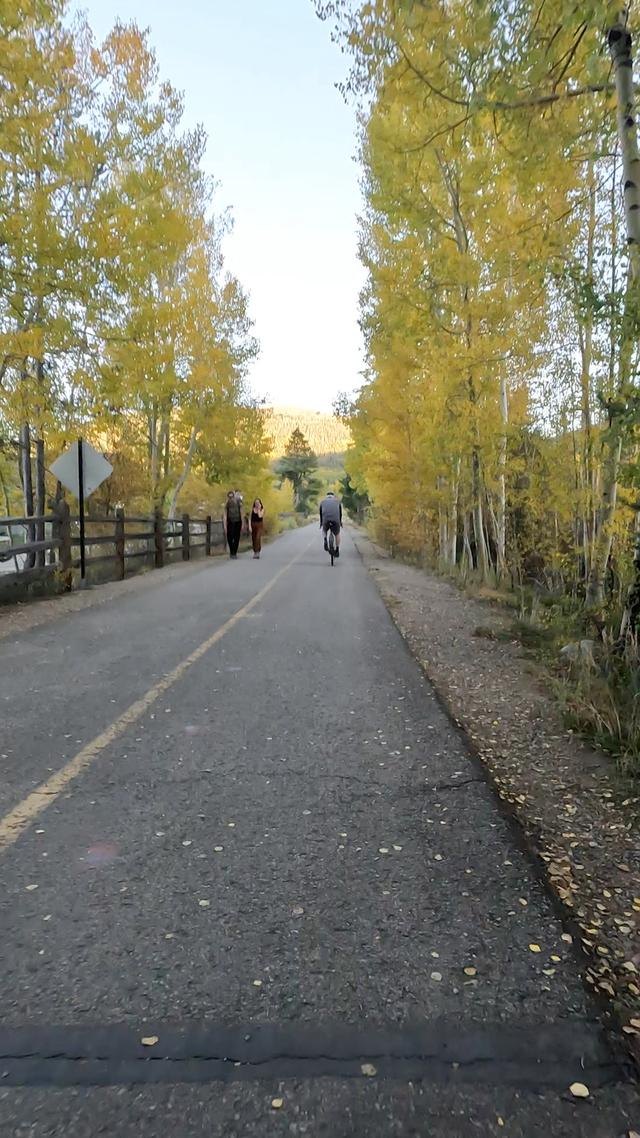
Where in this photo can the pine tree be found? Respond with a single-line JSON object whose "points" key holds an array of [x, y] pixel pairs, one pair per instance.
{"points": [[297, 467]]}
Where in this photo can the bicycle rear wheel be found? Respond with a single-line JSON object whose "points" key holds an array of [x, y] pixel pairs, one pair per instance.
{"points": [[332, 545]]}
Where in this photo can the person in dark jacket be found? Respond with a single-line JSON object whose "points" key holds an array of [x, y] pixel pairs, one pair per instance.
{"points": [[331, 518], [232, 520]]}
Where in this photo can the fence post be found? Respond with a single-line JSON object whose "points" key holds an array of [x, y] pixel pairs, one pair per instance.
{"points": [[41, 500], [62, 533], [186, 538], [207, 540], [158, 537], [120, 549]]}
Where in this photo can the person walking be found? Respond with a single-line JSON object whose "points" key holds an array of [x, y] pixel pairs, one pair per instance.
{"points": [[257, 525], [232, 521]]}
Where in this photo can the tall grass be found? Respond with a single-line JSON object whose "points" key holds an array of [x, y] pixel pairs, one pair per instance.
{"points": [[599, 690], [603, 702]]}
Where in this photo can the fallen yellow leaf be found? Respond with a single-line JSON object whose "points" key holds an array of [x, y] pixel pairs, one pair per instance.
{"points": [[149, 1040], [535, 948], [470, 972], [369, 1070], [579, 1090], [277, 1103]]}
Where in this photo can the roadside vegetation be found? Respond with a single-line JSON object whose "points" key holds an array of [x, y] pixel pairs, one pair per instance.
{"points": [[496, 434], [118, 318], [309, 475]]}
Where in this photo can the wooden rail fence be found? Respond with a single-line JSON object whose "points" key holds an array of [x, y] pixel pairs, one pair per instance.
{"points": [[49, 545]]}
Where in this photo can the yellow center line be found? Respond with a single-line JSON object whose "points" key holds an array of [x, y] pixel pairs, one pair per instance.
{"points": [[24, 814]]}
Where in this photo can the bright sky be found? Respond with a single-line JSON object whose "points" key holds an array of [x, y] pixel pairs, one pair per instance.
{"points": [[259, 75]]}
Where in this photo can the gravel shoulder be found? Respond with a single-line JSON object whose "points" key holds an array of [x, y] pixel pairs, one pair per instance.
{"points": [[578, 817]]}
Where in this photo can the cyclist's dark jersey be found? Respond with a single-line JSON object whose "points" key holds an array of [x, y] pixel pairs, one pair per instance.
{"points": [[330, 511]]}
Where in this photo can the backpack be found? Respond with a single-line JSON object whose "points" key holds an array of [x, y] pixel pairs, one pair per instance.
{"points": [[234, 514]]}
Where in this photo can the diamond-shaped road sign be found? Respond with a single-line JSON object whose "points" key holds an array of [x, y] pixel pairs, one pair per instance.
{"points": [[94, 465]]}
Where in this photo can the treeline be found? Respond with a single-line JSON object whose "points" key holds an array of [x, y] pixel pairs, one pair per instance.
{"points": [[498, 427], [325, 434], [118, 320]]}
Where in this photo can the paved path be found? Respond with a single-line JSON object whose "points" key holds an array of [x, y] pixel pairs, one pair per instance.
{"points": [[275, 856]]}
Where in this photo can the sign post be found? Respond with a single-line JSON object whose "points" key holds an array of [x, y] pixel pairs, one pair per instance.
{"points": [[83, 560], [81, 469]]}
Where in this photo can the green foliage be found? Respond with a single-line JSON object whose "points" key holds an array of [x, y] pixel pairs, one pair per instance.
{"points": [[298, 466], [355, 502], [309, 495], [603, 703]]}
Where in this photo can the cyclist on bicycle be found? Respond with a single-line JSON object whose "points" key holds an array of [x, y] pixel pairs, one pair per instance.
{"points": [[331, 518]]}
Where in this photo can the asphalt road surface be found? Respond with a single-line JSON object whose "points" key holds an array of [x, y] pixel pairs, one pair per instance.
{"points": [[254, 884]]}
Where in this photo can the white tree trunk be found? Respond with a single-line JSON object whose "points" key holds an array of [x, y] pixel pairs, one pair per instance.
{"points": [[501, 520], [619, 41], [443, 523], [152, 420], [453, 527], [467, 555], [186, 470], [482, 553], [585, 536]]}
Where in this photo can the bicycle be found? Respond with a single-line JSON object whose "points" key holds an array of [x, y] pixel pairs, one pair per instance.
{"points": [[331, 544]]}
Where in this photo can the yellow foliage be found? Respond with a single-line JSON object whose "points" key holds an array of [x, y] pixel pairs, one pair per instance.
{"points": [[496, 276], [117, 318]]}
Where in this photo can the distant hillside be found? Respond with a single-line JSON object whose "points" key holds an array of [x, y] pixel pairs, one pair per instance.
{"points": [[325, 434]]}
